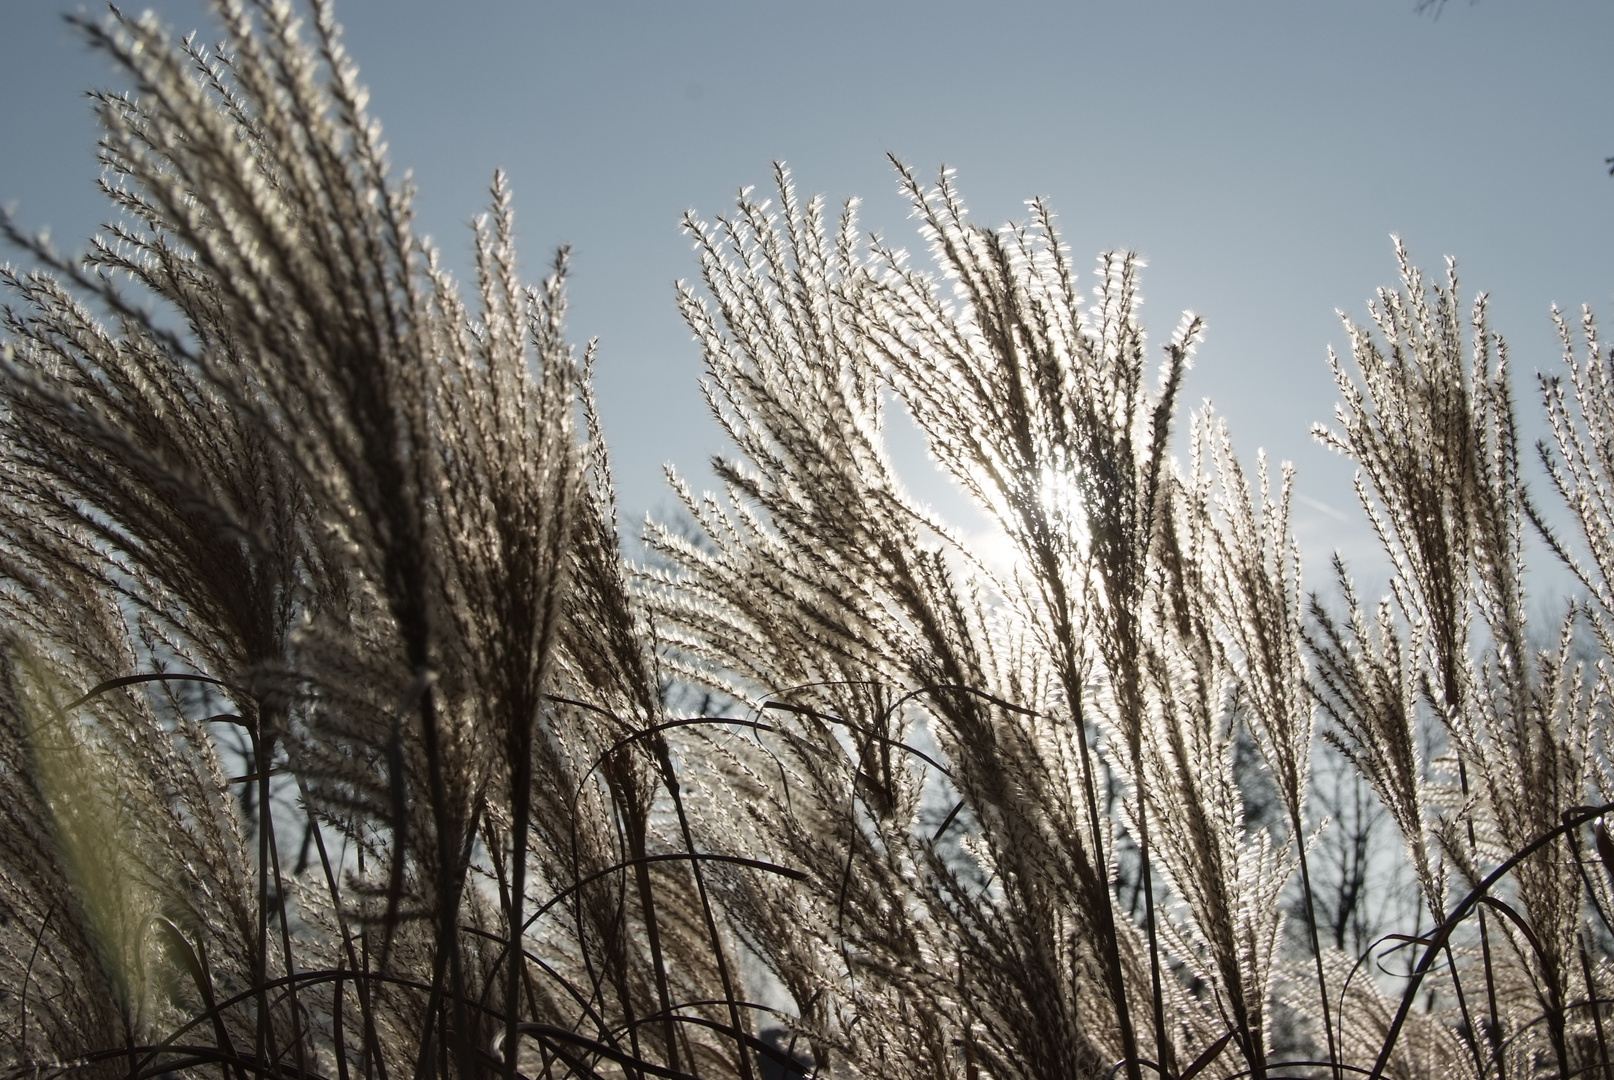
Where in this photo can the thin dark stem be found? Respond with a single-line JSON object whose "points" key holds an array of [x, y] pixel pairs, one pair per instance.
{"points": [[1493, 1027], [1595, 1006], [266, 719], [520, 812], [1164, 1050], [262, 743], [1311, 928], [447, 976]]}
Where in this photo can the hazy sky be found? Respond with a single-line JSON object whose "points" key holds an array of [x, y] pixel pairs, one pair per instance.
{"points": [[1258, 154]]}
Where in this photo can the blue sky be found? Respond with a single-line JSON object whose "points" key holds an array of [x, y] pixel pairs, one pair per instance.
{"points": [[1258, 154]]}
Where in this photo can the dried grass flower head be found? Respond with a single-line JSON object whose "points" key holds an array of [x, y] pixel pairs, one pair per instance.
{"points": [[339, 737]]}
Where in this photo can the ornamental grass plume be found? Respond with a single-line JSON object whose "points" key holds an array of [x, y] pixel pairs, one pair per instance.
{"points": [[1433, 428], [319, 489], [339, 738]]}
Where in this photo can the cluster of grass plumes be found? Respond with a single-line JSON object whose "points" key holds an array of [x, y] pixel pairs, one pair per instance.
{"points": [[337, 526], [338, 738]]}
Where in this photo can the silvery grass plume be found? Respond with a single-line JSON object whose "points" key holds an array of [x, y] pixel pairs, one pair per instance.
{"points": [[1432, 426], [1579, 459], [317, 501], [859, 628]]}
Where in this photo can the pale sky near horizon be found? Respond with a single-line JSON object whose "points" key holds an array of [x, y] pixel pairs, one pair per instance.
{"points": [[1258, 155]]}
